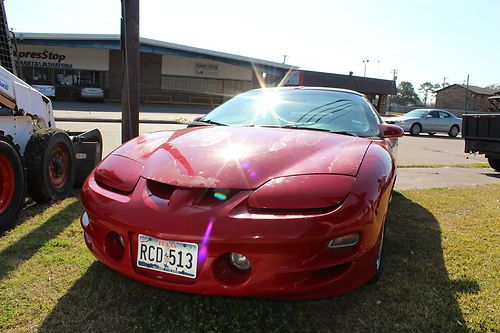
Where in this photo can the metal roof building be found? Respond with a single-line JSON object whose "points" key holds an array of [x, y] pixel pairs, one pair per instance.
{"points": [[376, 90], [169, 72]]}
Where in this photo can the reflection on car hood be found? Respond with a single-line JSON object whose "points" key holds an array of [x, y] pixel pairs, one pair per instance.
{"points": [[242, 157]]}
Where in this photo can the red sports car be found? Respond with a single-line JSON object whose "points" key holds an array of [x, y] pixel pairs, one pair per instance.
{"points": [[279, 192]]}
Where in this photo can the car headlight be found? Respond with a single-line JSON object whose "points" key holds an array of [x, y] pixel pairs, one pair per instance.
{"points": [[302, 192], [119, 173]]}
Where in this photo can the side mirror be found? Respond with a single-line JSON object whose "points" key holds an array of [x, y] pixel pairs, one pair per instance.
{"points": [[198, 118], [391, 131], [428, 116]]}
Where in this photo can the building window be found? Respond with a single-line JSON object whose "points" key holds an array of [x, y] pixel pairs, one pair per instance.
{"points": [[67, 77], [41, 76], [62, 77]]}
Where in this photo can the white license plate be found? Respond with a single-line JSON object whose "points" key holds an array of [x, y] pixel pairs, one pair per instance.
{"points": [[167, 256]]}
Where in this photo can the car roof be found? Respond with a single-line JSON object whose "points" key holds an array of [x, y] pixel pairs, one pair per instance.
{"points": [[315, 88], [429, 110]]}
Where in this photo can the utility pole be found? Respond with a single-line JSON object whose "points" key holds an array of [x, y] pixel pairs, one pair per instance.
{"points": [[394, 74], [129, 40], [366, 63], [467, 94], [284, 58], [444, 81]]}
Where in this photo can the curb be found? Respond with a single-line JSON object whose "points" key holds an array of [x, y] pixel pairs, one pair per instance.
{"points": [[103, 120]]}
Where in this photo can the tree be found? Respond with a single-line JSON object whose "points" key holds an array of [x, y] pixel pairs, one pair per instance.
{"points": [[493, 86], [406, 94], [427, 88]]}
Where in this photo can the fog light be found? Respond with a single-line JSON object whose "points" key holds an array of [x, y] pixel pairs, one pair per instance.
{"points": [[114, 246], [344, 241], [85, 220], [88, 240], [239, 261]]}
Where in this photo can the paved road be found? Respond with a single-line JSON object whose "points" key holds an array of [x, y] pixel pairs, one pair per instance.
{"points": [[420, 178], [438, 149]]}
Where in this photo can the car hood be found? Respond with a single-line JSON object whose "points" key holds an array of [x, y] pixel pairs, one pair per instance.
{"points": [[242, 157]]}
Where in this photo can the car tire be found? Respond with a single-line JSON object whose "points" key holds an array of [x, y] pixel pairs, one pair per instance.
{"points": [[494, 163], [431, 133], [454, 130], [415, 129], [379, 261], [51, 165], [12, 185]]}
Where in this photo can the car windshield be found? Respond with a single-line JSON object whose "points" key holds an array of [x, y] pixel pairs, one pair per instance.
{"points": [[309, 109], [418, 113]]}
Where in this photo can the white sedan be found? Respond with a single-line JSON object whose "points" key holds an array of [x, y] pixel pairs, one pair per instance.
{"points": [[430, 121]]}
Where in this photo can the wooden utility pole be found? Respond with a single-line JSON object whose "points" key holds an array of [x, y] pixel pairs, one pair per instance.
{"points": [[467, 95], [129, 40]]}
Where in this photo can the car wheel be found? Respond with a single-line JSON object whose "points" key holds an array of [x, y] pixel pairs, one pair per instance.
{"points": [[494, 163], [50, 161], [415, 129], [431, 133], [454, 130], [11, 184], [378, 261]]}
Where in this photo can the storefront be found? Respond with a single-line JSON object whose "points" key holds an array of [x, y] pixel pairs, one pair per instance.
{"points": [[169, 73], [66, 68]]}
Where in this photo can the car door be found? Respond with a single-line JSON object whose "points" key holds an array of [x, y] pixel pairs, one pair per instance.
{"points": [[446, 121], [431, 122]]}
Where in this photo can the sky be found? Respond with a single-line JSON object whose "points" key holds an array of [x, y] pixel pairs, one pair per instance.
{"points": [[425, 40]]}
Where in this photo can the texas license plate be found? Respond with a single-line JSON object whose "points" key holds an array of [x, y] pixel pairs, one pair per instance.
{"points": [[167, 256]]}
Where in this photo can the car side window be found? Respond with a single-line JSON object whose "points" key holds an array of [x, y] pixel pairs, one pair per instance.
{"points": [[444, 114], [434, 114]]}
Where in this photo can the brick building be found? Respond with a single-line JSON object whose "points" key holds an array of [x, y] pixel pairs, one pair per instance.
{"points": [[457, 97]]}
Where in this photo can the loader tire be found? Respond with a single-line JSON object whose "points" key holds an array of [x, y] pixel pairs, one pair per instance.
{"points": [[51, 165], [12, 184]]}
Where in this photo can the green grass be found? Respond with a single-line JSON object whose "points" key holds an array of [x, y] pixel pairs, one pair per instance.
{"points": [[441, 275], [470, 165]]}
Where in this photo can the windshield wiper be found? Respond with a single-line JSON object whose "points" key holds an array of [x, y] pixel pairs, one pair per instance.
{"points": [[203, 122], [295, 126]]}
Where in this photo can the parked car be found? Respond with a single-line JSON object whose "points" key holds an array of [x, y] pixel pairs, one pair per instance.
{"points": [[430, 121], [92, 92], [279, 192], [46, 89]]}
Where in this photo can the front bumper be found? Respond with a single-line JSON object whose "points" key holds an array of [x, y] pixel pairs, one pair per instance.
{"points": [[288, 252]]}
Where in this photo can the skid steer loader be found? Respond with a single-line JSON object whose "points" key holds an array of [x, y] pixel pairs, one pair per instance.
{"points": [[36, 157]]}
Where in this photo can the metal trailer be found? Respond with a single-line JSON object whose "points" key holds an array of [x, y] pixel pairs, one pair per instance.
{"points": [[481, 133]]}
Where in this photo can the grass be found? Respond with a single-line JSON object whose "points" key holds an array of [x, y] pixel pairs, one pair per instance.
{"points": [[441, 274], [470, 165]]}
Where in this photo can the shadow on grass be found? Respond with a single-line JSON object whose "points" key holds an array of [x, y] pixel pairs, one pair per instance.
{"points": [[414, 294], [22, 250]]}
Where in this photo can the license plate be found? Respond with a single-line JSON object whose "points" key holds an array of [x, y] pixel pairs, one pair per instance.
{"points": [[167, 256]]}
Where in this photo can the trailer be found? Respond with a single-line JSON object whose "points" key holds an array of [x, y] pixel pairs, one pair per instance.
{"points": [[481, 133]]}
